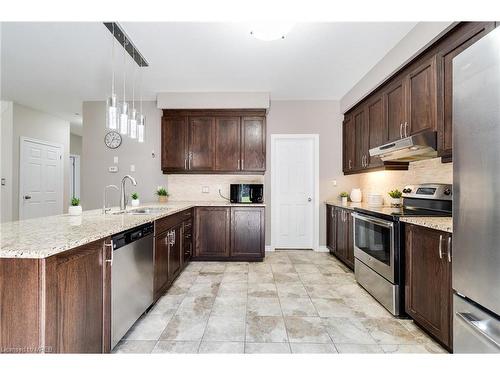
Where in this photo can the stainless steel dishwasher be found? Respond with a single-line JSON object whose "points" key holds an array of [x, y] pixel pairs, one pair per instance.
{"points": [[131, 278]]}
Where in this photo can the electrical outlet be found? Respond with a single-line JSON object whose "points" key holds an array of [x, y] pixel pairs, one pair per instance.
{"points": [[113, 169], [334, 182], [205, 189]]}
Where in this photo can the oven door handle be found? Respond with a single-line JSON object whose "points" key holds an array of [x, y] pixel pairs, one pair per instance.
{"points": [[384, 223]]}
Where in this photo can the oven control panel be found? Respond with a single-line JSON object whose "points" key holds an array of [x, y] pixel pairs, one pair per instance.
{"points": [[429, 191]]}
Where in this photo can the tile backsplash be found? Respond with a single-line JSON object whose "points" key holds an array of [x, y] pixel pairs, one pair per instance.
{"points": [[184, 187], [425, 171]]}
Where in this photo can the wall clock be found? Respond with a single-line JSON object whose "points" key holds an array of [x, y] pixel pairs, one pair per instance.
{"points": [[113, 139]]}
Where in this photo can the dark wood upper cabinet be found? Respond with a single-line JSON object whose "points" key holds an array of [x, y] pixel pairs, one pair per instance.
{"points": [[377, 128], [395, 110], [348, 144], [421, 99], [459, 41], [253, 145], [227, 144], [174, 133], [201, 143], [361, 139], [247, 232], [212, 232], [216, 141], [428, 293]]}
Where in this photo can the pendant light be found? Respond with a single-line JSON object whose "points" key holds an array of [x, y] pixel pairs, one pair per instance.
{"points": [[133, 113], [141, 122], [111, 104], [124, 106]]}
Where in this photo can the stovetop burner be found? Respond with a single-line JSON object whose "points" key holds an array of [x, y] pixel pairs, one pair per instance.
{"points": [[413, 211]]}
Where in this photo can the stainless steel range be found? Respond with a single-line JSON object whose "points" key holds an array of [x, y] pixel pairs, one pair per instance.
{"points": [[379, 241]]}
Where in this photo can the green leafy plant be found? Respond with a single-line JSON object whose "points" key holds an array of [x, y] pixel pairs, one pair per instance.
{"points": [[344, 194], [162, 192], [75, 201], [395, 194], [134, 196]]}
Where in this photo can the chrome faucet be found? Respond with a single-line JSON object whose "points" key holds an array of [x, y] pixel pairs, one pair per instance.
{"points": [[123, 196], [105, 208]]}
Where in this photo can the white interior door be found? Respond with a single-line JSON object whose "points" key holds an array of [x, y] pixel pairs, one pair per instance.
{"points": [[293, 197], [41, 179]]}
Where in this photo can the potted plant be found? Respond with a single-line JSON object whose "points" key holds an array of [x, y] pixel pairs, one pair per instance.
{"points": [[343, 196], [135, 199], [75, 209], [162, 194], [395, 198]]}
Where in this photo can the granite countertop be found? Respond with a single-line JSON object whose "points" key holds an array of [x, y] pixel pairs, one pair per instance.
{"points": [[47, 236], [444, 224]]}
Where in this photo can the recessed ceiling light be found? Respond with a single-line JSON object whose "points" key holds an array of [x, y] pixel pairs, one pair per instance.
{"points": [[271, 30]]}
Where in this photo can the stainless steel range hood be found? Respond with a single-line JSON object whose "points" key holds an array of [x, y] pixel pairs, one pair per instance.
{"points": [[416, 147]]}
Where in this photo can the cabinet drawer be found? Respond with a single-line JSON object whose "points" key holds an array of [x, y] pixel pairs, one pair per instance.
{"points": [[166, 223]]}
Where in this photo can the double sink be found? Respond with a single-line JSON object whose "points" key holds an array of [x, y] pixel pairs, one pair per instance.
{"points": [[142, 211]]}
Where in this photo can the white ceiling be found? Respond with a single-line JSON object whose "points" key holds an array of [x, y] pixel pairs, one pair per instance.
{"points": [[55, 66]]}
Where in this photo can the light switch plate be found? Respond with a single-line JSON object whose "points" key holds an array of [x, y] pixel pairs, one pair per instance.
{"points": [[115, 159], [205, 189], [132, 168], [113, 169]]}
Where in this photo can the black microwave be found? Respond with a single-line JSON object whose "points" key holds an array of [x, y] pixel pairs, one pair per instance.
{"points": [[247, 193]]}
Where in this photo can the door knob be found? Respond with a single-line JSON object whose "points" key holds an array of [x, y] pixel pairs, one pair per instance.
{"points": [[27, 197], [309, 199]]}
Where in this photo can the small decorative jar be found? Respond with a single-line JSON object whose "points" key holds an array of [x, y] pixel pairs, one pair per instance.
{"points": [[395, 202], [135, 202], [75, 210], [162, 198], [356, 195]]}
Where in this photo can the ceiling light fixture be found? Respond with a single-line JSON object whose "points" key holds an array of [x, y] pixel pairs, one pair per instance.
{"points": [[271, 30], [133, 113], [124, 109], [111, 104], [141, 121]]}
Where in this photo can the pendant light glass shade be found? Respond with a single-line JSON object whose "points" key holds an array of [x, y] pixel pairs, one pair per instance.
{"points": [[112, 113], [133, 124], [124, 119], [140, 128]]}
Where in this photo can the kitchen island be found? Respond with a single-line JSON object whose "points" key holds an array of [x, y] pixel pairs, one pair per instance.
{"points": [[55, 272]]}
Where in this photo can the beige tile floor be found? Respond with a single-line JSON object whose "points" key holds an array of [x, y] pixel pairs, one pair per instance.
{"points": [[294, 302]]}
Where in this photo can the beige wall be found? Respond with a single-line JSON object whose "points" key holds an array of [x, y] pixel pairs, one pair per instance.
{"points": [[311, 117], [413, 42], [29, 122], [6, 154], [96, 157], [75, 144], [426, 171]]}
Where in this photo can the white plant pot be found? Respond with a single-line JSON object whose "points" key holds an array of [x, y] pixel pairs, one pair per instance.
{"points": [[135, 202], [395, 202], [344, 201], [75, 210]]}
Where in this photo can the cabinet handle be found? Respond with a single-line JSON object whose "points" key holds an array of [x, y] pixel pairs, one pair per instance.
{"points": [[331, 213], [185, 162], [406, 129], [401, 130], [350, 164], [190, 157], [440, 246], [449, 249], [111, 246]]}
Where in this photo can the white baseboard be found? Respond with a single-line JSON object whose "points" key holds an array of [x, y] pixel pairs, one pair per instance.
{"points": [[269, 248], [322, 249]]}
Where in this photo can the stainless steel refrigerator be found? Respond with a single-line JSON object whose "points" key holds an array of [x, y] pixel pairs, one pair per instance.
{"points": [[476, 197]]}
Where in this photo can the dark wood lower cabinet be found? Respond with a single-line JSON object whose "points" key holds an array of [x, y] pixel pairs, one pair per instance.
{"points": [[339, 232], [229, 233], [58, 304], [428, 293]]}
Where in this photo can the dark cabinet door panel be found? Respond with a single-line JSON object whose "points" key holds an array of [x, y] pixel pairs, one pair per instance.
{"points": [[394, 97], [174, 144], [377, 128], [253, 144], [349, 249], [331, 230], [428, 281], [174, 252], [201, 143], [348, 144], [247, 232], [160, 264], [227, 144], [361, 139], [75, 300], [422, 98], [212, 232]]}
